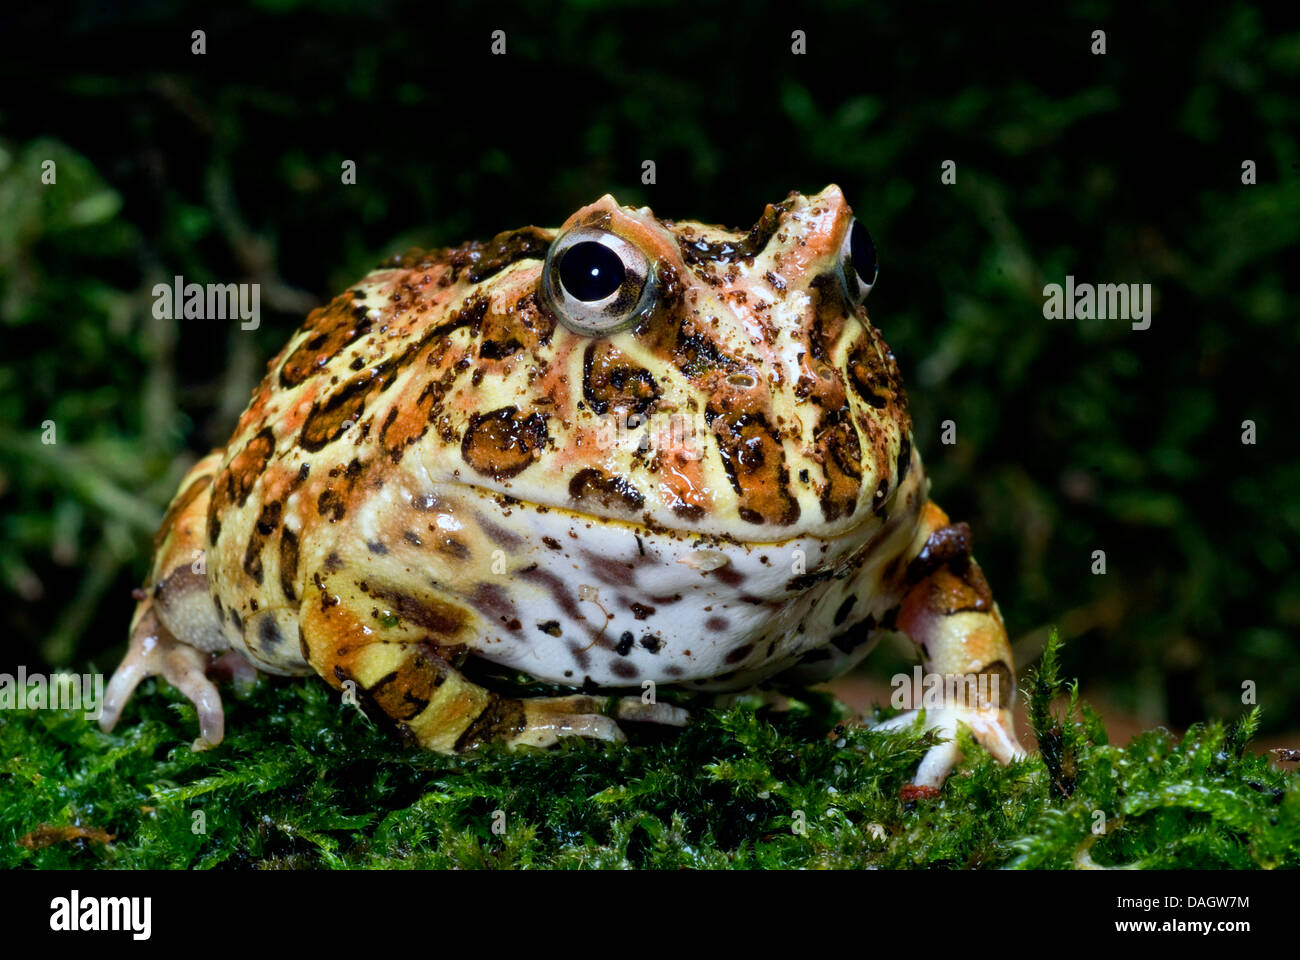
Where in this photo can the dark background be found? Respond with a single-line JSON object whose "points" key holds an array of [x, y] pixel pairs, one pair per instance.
{"points": [[1072, 435]]}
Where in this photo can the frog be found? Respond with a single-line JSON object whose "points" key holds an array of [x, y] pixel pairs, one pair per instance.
{"points": [[622, 455]]}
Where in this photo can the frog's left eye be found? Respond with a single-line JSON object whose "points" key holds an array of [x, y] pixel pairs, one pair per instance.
{"points": [[861, 267], [597, 282]]}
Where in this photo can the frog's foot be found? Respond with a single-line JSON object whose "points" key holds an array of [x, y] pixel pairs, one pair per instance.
{"points": [[155, 652], [993, 729]]}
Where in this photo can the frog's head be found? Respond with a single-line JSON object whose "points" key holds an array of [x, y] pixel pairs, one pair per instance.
{"points": [[731, 381], [671, 374]]}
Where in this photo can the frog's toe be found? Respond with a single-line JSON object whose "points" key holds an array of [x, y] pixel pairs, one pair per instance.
{"points": [[547, 719], [155, 652], [637, 711], [993, 729]]}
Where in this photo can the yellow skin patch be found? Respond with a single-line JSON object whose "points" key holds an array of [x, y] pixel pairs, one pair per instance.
{"points": [[706, 478]]}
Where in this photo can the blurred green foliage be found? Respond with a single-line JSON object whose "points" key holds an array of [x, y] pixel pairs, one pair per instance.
{"points": [[1073, 436]]}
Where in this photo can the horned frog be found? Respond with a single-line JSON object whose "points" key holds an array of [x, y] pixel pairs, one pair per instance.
{"points": [[623, 453]]}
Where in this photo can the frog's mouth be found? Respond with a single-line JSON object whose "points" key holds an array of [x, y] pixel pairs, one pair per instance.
{"points": [[509, 516]]}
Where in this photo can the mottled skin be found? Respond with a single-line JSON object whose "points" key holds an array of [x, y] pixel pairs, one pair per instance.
{"points": [[429, 479]]}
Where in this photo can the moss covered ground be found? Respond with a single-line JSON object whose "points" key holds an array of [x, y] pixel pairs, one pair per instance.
{"points": [[304, 782]]}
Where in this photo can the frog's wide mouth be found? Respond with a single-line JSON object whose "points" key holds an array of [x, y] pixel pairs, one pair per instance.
{"points": [[519, 517]]}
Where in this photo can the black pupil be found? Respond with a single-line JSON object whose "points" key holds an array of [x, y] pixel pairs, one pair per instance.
{"points": [[863, 253], [591, 271]]}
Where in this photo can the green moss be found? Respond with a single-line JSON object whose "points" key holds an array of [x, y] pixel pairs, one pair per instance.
{"points": [[302, 781]]}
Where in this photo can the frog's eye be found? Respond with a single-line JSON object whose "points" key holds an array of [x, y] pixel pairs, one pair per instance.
{"points": [[597, 282], [860, 265]]}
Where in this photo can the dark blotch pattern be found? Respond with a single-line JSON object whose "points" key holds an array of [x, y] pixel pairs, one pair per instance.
{"points": [[503, 443], [592, 486]]}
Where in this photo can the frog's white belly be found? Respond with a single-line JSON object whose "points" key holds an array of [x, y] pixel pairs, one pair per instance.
{"points": [[614, 604]]}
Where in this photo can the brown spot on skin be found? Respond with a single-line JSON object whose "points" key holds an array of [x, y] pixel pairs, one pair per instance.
{"points": [[502, 719], [697, 355], [613, 493], [330, 328], [717, 624], [845, 608], [551, 627], [179, 505], [236, 482], [501, 444], [755, 464], [608, 570], [805, 580], [740, 653], [478, 261], [339, 412], [520, 326], [404, 424], [551, 542], [610, 379], [495, 604], [904, 457], [444, 620], [267, 522], [624, 670], [289, 564], [568, 603], [700, 252], [446, 544], [500, 535], [840, 453], [641, 611], [269, 636], [728, 575], [330, 505], [873, 372], [830, 314], [850, 640]]}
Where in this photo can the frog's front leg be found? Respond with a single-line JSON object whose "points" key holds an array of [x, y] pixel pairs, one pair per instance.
{"points": [[949, 613], [393, 650]]}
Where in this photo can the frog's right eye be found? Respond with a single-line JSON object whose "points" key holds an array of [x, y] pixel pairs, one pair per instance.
{"points": [[596, 282], [861, 267]]}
